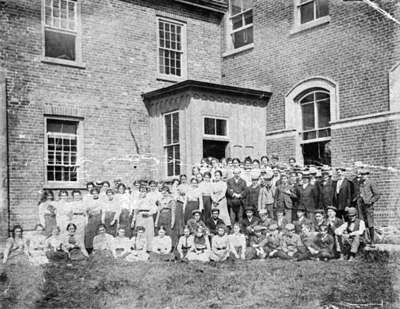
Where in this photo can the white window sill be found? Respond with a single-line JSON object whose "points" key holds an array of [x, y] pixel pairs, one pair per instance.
{"points": [[315, 23], [238, 50], [68, 63], [216, 137], [170, 78], [64, 185]]}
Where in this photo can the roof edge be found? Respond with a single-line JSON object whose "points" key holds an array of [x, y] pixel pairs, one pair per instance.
{"points": [[219, 6], [200, 85]]}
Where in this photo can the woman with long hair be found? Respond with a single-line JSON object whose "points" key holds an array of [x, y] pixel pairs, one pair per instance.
{"points": [[47, 212], [16, 247]]}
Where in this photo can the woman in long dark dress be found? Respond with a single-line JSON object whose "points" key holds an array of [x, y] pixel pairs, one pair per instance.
{"points": [[180, 198], [206, 189], [94, 206], [166, 214]]}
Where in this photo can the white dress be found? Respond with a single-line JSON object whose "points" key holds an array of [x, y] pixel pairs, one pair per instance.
{"points": [[219, 191]]}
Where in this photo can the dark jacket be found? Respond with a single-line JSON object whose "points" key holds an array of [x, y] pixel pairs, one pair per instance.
{"points": [[239, 187], [283, 200], [344, 198], [246, 223], [326, 194], [251, 199], [308, 197], [212, 226]]}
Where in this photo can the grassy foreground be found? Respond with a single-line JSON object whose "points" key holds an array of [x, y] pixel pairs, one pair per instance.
{"points": [[101, 283]]}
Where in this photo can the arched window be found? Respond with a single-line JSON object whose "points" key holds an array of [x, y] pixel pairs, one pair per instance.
{"points": [[316, 114], [310, 106], [315, 131]]}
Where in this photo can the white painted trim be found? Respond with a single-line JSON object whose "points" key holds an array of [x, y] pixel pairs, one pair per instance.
{"points": [[281, 134], [298, 26], [394, 87], [238, 50], [365, 120], [184, 69]]}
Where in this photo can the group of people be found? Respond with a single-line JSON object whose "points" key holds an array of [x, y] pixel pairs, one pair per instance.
{"points": [[227, 209]]}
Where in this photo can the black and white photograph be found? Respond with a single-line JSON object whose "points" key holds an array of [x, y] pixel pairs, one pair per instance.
{"points": [[202, 154]]}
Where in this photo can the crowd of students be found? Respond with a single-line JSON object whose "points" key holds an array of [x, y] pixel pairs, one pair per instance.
{"points": [[227, 209]]}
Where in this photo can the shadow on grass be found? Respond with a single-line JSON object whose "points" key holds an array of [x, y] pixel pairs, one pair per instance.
{"points": [[371, 284]]}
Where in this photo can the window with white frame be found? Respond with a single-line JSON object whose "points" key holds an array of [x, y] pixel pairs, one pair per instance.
{"points": [[215, 126], [61, 29], [311, 10], [171, 144], [241, 19], [171, 48], [316, 115], [62, 150]]}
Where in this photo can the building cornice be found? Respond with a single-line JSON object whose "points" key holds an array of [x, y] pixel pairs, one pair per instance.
{"points": [[192, 85], [219, 6]]}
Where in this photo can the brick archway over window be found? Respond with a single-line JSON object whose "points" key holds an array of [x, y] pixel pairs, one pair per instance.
{"points": [[293, 112]]}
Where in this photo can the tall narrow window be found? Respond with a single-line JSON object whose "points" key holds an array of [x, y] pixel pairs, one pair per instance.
{"points": [[241, 17], [62, 150], [316, 132], [310, 10], [61, 23], [171, 49], [171, 145]]}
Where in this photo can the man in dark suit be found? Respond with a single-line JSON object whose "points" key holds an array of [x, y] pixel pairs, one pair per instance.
{"points": [[326, 191], [307, 196], [342, 196], [248, 223], [235, 194], [214, 221]]}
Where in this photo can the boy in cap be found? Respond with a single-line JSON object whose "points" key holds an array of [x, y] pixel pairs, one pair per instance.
{"points": [[369, 195], [281, 220], [249, 222], [301, 220], [333, 223], [272, 241], [290, 243], [324, 243], [255, 249], [196, 221], [265, 220], [352, 233]]}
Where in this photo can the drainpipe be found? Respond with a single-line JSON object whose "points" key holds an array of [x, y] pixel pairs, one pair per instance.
{"points": [[4, 175]]}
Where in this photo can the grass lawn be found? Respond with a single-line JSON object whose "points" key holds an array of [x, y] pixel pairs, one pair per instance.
{"points": [[250, 284]]}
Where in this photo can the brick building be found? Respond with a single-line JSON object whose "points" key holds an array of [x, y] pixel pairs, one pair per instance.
{"points": [[98, 89]]}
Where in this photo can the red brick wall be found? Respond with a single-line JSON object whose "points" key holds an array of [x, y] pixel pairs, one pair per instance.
{"points": [[119, 49]]}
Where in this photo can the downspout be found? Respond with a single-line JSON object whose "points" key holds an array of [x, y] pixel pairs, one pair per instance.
{"points": [[4, 160]]}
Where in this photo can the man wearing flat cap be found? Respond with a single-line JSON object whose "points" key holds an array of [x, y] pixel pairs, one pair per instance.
{"points": [[248, 223], [290, 243], [352, 233], [266, 198], [342, 196], [333, 223], [236, 193], [369, 195], [196, 222]]}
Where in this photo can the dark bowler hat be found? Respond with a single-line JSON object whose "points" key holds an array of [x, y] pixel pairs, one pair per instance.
{"points": [[352, 211], [215, 210]]}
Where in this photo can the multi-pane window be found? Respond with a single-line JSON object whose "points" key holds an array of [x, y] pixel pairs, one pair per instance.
{"points": [[241, 16], [171, 36], [171, 145], [310, 10], [61, 29], [62, 150], [316, 115], [215, 126]]}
